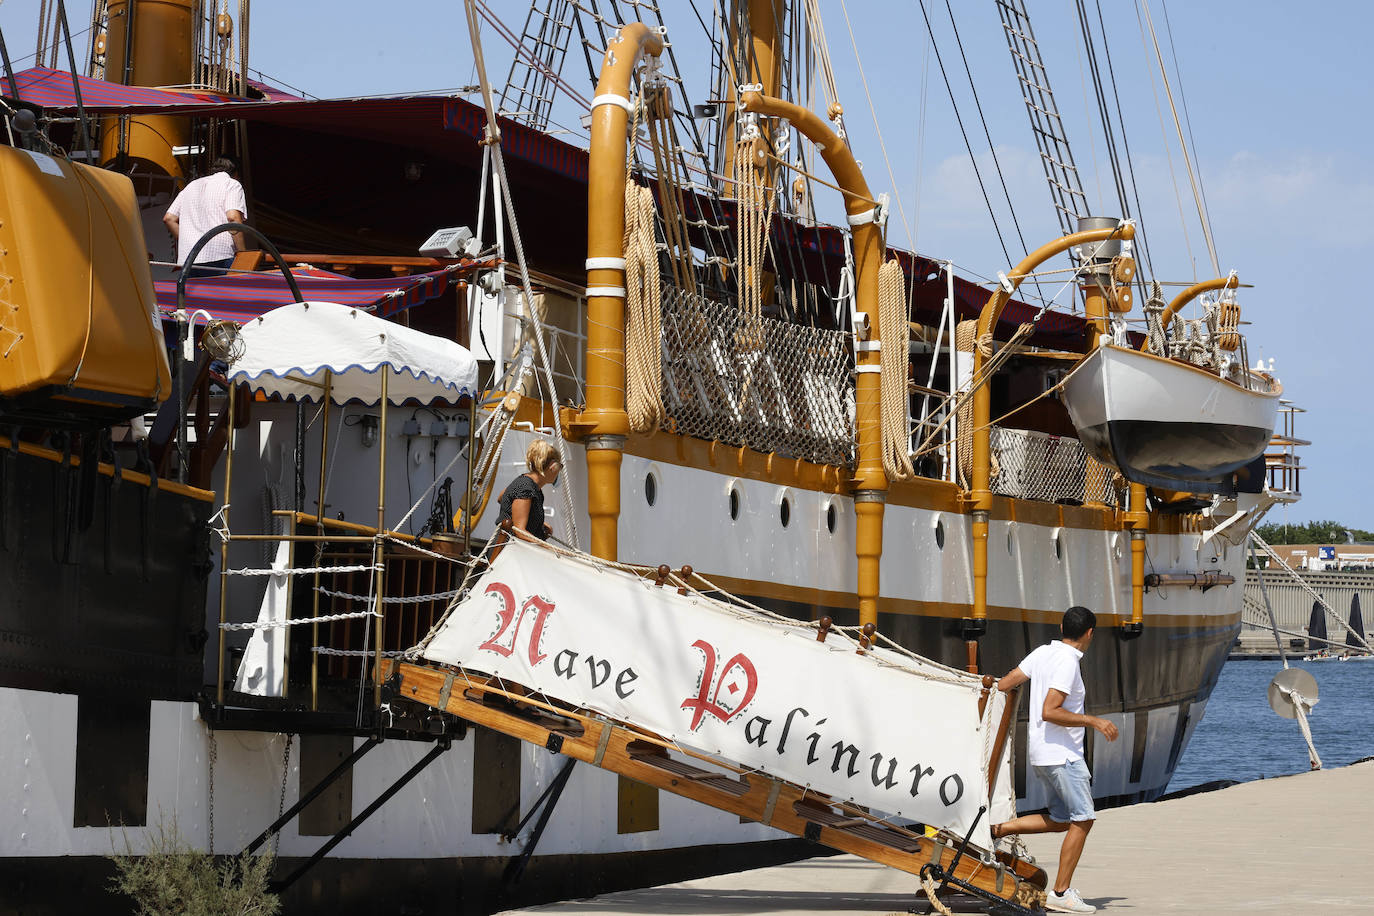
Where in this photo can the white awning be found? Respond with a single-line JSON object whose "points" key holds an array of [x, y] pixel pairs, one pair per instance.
{"points": [[289, 351]]}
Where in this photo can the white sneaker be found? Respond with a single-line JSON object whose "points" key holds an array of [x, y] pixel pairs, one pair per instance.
{"points": [[1068, 902]]}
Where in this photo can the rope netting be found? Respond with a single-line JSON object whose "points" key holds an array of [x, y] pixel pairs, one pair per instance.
{"points": [[1036, 465], [758, 382]]}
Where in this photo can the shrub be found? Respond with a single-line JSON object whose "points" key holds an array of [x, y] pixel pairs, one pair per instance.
{"points": [[169, 878]]}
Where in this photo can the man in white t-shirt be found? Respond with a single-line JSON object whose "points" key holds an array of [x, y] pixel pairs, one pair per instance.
{"points": [[1055, 743], [201, 206]]}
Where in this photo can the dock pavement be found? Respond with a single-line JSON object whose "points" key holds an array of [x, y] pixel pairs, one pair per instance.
{"points": [[1294, 845]]}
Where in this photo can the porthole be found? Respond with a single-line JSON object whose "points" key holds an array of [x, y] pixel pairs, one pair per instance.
{"points": [[785, 511], [830, 518], [734, 503], [650, 489], [1058, 545], [1011, 541], [940, 535]]}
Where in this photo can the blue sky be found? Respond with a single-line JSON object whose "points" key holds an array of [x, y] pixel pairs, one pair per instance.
{"points": [[1278, 101]]}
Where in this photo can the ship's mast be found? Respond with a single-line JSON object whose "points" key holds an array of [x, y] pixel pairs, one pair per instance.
{"points": [[753, 47], [147, 43]]}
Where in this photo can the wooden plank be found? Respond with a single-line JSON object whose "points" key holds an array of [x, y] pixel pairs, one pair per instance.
{"points": [[788, 807]]}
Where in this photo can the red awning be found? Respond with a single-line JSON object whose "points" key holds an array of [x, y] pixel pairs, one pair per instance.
{"points": [[53, 89], [243, 297]]}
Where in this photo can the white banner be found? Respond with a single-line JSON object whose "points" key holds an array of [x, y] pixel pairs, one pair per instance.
{"points": [[880, 730]]}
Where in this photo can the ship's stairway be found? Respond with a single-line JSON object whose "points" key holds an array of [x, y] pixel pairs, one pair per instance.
{"points": [[620, 747]]}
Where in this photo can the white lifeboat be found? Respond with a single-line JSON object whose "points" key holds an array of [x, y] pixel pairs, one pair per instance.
{"points": [[1167, 423]]}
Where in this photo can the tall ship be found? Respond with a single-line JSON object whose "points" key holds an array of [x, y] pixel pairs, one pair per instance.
{"points": [[246, 518]]}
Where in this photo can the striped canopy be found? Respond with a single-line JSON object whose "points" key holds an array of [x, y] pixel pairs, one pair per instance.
{"points": [[243, 297], [49, 88]]}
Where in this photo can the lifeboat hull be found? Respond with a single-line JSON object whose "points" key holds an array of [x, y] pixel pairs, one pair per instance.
{"points": [[1168, 424]]}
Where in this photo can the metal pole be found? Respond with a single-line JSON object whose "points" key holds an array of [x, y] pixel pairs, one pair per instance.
{"points": [[319, 526], [224, 547], [76, 88], [381, 549], [468, 520], [343, 767], [9, 70], [382, 799]]}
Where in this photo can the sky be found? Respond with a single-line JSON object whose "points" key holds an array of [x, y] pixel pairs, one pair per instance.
{"points": [[1276, 102]]}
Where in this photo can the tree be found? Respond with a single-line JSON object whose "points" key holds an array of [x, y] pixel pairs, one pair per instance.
{"points": [[1325, 531]]}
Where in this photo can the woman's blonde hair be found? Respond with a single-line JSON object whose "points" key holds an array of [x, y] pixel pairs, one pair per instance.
{"points": [[541, 456]]}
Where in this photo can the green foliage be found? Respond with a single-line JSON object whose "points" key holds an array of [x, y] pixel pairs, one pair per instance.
{"points": [[1316, 532], [169, 878]]}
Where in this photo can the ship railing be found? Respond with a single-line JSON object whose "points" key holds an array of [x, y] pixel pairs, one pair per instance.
{"points": [[770, 385], [1282, 462]]}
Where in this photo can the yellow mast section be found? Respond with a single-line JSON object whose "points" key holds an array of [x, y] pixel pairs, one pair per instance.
{"points": [[148, 43]]}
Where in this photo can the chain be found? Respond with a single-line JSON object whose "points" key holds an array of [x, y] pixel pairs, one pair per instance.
{"points": [[210, 807], [281, 799]]}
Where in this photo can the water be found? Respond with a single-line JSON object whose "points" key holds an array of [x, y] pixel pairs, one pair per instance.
{"points": [[1241, 738]]}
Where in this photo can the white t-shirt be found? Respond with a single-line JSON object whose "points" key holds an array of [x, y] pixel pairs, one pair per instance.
{"points": [[1054, 666], [201, 206]]}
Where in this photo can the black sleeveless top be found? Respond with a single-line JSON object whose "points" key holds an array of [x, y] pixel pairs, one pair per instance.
{"points": [[524, 488]]}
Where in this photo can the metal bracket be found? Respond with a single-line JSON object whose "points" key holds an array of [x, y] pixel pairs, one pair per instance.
{"points": [[554, 742]]}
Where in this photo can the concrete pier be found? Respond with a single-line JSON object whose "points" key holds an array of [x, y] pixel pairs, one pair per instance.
{"points": [[1295, 844]]}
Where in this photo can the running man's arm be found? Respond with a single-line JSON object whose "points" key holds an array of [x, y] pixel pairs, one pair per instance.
{"points": [[1055, 713]]}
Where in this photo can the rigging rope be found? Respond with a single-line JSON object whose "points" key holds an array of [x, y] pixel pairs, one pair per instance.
{"points": [[968, 144], [498, 161], [643, 317], [895, 401], [1183, 146], [1301, 705]]}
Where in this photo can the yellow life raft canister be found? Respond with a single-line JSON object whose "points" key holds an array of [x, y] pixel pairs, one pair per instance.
{"points": [[80, 342]]}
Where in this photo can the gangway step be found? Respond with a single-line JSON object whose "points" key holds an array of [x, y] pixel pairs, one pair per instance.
{"points": [[644, 758]]}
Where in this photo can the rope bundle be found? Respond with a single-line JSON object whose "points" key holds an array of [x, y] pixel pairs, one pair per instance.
{"points": [[643, 318], [896, 405]]}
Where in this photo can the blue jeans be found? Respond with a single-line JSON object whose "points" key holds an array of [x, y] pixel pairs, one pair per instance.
{"points": [[1070, 790], [208, 268]]}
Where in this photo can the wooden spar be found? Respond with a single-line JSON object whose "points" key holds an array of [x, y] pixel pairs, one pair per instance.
{"points": [[604, 422], [979, 495], [870, 480], [999, 740], [775, 803]]}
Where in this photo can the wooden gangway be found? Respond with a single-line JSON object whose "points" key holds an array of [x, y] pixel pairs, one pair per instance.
{"points": [[935, 855]]}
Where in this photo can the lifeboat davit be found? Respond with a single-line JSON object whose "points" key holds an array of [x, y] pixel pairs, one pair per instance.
{"points": [[1167, 423]]}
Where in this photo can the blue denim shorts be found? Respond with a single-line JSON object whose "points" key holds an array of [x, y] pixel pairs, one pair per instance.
{"points": [[1070, 791]]}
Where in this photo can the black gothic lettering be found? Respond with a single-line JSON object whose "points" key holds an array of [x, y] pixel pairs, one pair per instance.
{"points": [[626, 677], [888, 781], [959, 789], [594, 665], [916, 781], [762, 729], [840, 750], [563, 663], [813, 738], [787, 725]]}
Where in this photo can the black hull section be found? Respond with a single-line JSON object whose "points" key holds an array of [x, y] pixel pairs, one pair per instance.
{"points": [[104, 584], [61, 885], [1193, 457]]}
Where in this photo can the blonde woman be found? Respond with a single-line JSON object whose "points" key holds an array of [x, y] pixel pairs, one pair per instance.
{"points": [[523, 500]]}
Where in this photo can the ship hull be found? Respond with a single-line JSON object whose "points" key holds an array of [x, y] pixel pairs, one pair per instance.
{"points": [[439, 836]]}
